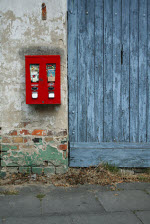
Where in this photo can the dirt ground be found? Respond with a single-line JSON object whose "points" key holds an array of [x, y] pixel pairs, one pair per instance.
{"points": [[100, 175]]}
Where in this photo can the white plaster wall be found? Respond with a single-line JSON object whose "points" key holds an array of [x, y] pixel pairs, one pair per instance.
{"points": [[23, 32]]}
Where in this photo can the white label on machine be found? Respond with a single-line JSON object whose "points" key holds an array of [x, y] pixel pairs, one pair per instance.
{"points": [[51, 95], [34, 95]]}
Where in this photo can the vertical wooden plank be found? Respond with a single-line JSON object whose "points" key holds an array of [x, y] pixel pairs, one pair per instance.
{"points": [[99, 57], [125, 72], [108, 75], [116, 70], [90, 68], [142, 69], [72, 68], [82, 72], [148, 73], [134, 84]]}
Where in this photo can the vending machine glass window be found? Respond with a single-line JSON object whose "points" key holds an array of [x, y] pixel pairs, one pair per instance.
{"points": [[34, 73], [51, 68]]}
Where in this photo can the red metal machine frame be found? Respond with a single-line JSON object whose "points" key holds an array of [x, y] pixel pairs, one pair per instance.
{"points": [[43, 87]]}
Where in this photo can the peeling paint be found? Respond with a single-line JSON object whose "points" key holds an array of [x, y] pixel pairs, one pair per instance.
{"points": [[34, 156], [23, 32]]}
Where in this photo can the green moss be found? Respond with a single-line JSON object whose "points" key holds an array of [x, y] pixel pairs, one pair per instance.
{"points": [[9, 192], [40, 196]]}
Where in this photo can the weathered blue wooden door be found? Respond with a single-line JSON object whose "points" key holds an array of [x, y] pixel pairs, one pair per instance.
{"points": [[109, 82]]}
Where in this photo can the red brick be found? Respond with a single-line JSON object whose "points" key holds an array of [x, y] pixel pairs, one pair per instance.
{"points": [[39, 132], [62, 147], [6, 140], [61, 133], [24, 132], [25, 123], [48, 139], [16, 148], [50, 133], [27, 147], [18, 140], [26, 139], [66, 154], [14, 132]]}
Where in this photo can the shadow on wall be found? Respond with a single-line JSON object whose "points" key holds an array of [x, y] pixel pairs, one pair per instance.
{"points": [[40, 50], [45, 107]]}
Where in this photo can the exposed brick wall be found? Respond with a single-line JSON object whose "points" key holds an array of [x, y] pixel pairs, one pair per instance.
{"points": [[37, 150]]}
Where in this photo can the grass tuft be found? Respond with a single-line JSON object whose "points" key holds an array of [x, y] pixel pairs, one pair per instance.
{"points": [[111, 168], [40, 196], [9, 192]]}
